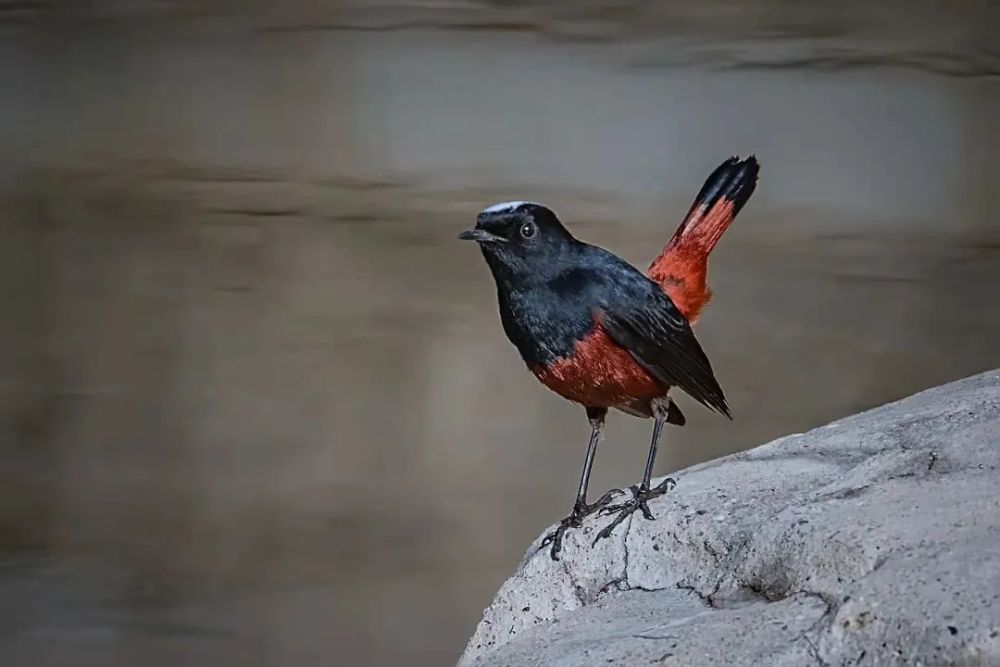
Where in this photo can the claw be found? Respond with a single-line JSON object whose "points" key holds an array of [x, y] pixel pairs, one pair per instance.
{"points": [[548, 539], [666, 485], [608, 529], [639, 501], [605, 499], [575, 520], [614, 509], [617, 507]]}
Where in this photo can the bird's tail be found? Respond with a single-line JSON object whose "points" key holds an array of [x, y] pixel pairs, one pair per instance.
{"points": [[681, 267]]}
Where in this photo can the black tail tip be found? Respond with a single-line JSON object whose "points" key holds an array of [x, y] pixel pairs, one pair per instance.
{"points": [[750, 167], [750, 161], [746, 170], [735, 180]]}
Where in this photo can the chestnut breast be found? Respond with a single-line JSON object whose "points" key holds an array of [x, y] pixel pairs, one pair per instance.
{"points": [[600, 373]]}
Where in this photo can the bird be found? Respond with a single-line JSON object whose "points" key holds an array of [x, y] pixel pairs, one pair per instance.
{"points": [[601, 333]]}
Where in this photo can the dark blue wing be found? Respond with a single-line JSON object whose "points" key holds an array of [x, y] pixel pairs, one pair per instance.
{"points": [[643, 320]]}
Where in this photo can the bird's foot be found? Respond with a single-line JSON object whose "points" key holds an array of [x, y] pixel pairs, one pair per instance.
{"points": [[575, 520], [640, 497]]}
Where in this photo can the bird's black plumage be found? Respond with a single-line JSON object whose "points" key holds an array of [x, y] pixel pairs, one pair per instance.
{"points": [[554, 289]]}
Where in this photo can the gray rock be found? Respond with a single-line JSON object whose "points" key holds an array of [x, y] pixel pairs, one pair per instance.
{"points": [[872, 540]]}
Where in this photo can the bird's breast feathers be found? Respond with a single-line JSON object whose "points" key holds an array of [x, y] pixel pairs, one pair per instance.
{"points": [[599, 373]]}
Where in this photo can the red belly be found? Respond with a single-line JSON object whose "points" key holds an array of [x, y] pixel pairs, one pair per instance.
{"points": [[600, 374]]}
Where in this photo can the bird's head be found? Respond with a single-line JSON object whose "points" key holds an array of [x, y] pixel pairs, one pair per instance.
{"points": [[519, 239]]}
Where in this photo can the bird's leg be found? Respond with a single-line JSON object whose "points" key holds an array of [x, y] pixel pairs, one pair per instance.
{"points": [[580, 508], [642, 493]]}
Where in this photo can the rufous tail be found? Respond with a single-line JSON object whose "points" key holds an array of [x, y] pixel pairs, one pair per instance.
{"points": [[682, 265]]}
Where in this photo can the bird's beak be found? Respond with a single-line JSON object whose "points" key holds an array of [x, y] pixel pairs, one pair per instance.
{"points": [[481, 236]]}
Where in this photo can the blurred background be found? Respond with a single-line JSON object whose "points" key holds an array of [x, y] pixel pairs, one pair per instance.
{"points": [[256, 406]]}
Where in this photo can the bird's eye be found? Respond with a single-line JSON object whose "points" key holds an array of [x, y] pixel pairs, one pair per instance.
{"points": [[528, 230]]}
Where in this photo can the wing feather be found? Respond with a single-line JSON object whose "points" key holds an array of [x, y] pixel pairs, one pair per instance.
{"points": [[658, 337]]}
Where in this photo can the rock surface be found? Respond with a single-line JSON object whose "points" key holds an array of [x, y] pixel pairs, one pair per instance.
{"points": [[872, 540]]}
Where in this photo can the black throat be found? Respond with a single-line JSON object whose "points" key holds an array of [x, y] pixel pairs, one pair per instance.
{"points": [[545, 307]]}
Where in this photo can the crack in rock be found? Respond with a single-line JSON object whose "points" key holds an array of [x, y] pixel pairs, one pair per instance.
{"points": [[707, 599], [628, 529]]}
